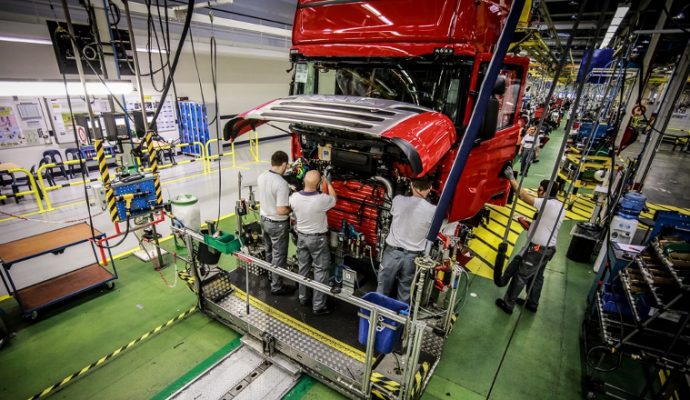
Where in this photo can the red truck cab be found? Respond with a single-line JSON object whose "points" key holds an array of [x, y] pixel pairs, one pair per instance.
{"points": [[385, 89]]}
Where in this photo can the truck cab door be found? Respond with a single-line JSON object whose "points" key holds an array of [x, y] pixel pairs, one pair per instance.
{"points": [[481, 181]]}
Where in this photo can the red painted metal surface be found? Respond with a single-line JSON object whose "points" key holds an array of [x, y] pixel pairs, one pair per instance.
{"points": [[358, 203], [431, 134], [472, 22]]}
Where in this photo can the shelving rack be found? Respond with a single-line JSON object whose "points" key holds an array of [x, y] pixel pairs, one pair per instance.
{"points": [[33, 298], [193, 126], [642, 314]]}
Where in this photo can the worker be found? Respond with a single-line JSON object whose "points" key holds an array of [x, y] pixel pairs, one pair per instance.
{"points": [[310, 208], [412, 216], [274, 194], [540, 249], [529, 149]]}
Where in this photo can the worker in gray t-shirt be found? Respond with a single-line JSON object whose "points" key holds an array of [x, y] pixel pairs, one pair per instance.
{"points": [[274, 194], [538, 251], [310, 208], [412, 216]]}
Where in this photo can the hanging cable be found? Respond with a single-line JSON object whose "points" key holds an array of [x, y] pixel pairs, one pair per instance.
{"points": [[554, 173], [500, 279], [216, 119], [178, 52]]}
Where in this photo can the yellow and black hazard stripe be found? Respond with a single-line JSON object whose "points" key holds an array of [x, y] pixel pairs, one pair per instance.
{"points": [[419, 378], [105, 178], [153, 162], [186, 277], [72, 377], [384, 387]]}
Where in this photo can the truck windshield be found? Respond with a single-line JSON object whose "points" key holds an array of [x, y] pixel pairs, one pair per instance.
{"points": [[428, 85]]}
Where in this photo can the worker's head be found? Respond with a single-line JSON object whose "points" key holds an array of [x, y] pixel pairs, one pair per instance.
{"points": [[312, 180], [543, 185], [532, 130], [279, 161], [421, 187]]}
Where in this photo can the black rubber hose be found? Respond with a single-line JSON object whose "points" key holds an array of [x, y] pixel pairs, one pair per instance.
{"points": [[499, 279], [173, 67]]}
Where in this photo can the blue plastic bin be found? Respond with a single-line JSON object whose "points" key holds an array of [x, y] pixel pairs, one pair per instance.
{"points": [[385, 338]]}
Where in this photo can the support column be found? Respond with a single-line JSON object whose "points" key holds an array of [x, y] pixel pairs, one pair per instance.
{"points": [[646, 63], [675, 87]]}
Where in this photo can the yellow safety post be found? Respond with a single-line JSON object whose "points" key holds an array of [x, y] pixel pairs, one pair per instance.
{"points": [[32, 185], [254, 144], [105, 178], [210, 157], [154, 166]]}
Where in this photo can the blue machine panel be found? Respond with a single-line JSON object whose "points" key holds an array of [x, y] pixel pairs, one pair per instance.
{"points": [[144, 200]]}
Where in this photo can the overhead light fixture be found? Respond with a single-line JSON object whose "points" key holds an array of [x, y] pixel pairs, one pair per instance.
{"points": [[48, 42], [573, 3], [16, 39], [618, 17], [56, 88]]}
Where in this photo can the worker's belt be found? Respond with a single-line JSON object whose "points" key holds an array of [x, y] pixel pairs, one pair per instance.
{"points": [[273, 220], [417, 252], [313, 234]]}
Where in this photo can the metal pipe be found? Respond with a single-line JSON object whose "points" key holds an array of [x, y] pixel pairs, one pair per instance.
{"points": [[371, 335], [80, 68]]}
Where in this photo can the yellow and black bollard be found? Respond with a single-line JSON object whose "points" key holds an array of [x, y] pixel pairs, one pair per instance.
{"points": [[105, 179], [153, 161]]}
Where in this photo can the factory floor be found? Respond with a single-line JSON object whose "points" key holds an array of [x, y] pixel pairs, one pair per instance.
{"points": [[488, 355]]}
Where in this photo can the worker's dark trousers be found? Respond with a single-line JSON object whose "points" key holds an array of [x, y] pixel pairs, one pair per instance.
{"points": [[531, 269], [313, 251], [526, 160], [275, 236], [397, 265]]}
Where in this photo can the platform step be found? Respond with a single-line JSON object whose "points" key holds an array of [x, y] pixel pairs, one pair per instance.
{"points": [[241, 375]]}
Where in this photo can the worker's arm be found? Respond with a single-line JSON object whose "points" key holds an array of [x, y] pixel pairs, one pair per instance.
{"points": [[523, 194], [331, 189], [283, 200], [282, 210]]}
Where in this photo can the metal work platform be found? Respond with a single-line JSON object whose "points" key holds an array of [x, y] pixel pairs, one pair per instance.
{"points": [[244, 374], [326, 346]]}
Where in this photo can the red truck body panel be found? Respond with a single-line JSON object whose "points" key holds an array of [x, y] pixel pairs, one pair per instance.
{"points": [[396, 23]]}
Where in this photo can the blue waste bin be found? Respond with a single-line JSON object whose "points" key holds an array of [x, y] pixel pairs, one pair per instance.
{"points": [[386, 338]]}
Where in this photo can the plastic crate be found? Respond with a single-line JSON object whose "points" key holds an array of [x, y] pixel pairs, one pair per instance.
{"points": [[386, 338], [225, 243]]}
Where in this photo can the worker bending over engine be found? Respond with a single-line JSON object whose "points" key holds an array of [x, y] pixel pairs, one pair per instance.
{"points": [[412, 216], [310, 208]]}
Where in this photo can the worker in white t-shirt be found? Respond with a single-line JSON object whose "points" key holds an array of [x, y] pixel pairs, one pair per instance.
{"points": [[274, 193], [310, 208], [412, 216], [540, 249], [529, 149]]}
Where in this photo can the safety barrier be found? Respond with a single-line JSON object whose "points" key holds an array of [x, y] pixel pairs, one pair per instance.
{"points": [[46, 189], [32, 185], [209, 156], [201, 157]]}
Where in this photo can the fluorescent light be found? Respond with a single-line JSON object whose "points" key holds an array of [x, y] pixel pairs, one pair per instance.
{"points": [[47, 42], [57, 88], [618, 17], [25, 40]]}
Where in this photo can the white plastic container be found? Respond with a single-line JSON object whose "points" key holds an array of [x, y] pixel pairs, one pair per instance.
{"points": [[623, 229], [185, 208]]}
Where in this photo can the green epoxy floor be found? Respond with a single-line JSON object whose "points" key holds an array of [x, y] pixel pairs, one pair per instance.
{"points": [[542, 360]]}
